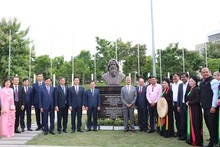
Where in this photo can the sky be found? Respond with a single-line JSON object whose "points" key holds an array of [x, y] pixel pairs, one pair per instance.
{"points": [[65, 27]]}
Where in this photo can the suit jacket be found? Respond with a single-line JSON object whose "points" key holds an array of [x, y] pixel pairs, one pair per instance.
{"points": [[180, 94], [141, 100], [92, 100], [61, 99], [46, 99], [128, 98], [20, 98], [36, 90], [28, 96], [76, 100]]}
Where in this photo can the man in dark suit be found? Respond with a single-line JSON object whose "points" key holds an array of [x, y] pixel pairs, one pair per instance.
{"points": [[27, 96], [36, 89], [183, 90], [76, 94], [19, 102], [46, 105], [61, 105], [141, 104], [92, 104]]}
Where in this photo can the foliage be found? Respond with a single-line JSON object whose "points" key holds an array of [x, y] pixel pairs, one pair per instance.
{"points": [[20, 49], [213, 64], [172, 60], [213, 50]]}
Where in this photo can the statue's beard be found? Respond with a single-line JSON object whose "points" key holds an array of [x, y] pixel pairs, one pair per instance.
{"points": [[113, 72]]}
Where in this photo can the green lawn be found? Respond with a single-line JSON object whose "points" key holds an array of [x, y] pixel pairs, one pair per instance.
{"points": [[108, 138]]}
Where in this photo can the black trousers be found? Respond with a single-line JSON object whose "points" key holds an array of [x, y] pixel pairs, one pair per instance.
{"points": [[152, 111], [76, 112], [177, 118], [39, 116], [92, 115], [62, 114], [143, 117], [183, 118], [17, 114], [27, 109], [211, 120]]}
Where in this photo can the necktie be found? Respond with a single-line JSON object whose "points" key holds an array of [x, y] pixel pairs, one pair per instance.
{"points": [[48, 90], [63, 87], [76, 89], [16, 93], [140, 90], [128, 88], [92, 92]]}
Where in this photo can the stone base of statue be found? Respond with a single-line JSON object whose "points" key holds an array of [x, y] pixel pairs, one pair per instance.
{"points": [[111, 106]]}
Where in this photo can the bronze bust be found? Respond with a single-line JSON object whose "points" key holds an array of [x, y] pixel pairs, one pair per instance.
{"points": [[113, 77]]}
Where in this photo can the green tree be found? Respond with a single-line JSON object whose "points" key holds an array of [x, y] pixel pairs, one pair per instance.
{"points": [[43, 64], [213, 64], [84, 66], [213, 50], [20, 49]]}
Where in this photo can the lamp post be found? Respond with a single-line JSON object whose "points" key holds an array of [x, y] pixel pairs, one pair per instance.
{"points": [[72, 69], [160, 67], [183, 59], [153, 45], [9, 51], [138, 60]]}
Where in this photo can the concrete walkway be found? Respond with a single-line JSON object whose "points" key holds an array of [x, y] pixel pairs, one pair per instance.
{"points": [[20, 138]]}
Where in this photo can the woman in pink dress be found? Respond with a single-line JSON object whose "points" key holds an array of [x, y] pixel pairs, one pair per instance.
{"points": [[7, 118]]}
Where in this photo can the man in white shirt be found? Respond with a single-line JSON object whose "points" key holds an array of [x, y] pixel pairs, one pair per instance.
{"points": [[175, 86]]}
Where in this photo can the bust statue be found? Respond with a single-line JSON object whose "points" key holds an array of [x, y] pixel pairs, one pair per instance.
{"points": [[113, 77]]}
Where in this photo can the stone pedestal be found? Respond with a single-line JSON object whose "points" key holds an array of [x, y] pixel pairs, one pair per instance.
{"points": [[111, 106]]}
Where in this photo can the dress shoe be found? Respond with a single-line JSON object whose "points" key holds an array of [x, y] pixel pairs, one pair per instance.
{"points": [[65, 131], [59, 132], [17, 131], [125, 130], [52, 133], [95, 130], [151, 131], [133, 130], [177, 134], [38, 128], [88, 130], [73, 131], [45, 133], [79, 131], [22, 130], [30, 129], [182, 138]]}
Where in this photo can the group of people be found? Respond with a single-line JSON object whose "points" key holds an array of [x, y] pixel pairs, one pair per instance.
{"points": [[185, 100], [16, 100]]}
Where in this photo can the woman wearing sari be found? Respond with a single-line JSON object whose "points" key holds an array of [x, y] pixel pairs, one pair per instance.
{"points": [[7, 119], [194, 115], [166, 123]]}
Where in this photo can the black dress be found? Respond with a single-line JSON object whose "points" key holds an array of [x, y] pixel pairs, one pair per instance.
{"points": [[167, 125], [195, 137]]}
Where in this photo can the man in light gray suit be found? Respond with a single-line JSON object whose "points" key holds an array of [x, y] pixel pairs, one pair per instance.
{"points": [[128, 98]]}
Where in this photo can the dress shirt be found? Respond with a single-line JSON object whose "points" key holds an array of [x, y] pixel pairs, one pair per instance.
{"points": [[153, 93], [175, 87]]}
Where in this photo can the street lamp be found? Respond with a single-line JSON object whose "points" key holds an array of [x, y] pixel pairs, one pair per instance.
{"points": [[138, 60], [153, 45], [9, 50]]}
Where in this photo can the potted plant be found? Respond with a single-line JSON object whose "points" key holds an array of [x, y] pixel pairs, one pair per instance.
{"points": [[118, 124], [106, 124]]}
